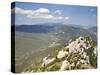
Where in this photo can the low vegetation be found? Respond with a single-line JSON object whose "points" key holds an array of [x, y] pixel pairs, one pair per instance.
{"points": [[79, 53]]}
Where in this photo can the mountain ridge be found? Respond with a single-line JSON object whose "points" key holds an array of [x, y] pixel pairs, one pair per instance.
{"points": [[78, 54]]}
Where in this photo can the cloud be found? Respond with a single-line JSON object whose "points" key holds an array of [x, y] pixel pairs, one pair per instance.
{"points": [[41, 13], [45, 16], [59, 12], [41, 16], [92, 10], [23, 11], [66, 18]]}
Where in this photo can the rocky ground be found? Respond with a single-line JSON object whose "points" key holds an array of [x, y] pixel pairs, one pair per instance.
{"points": [[79, 53]]}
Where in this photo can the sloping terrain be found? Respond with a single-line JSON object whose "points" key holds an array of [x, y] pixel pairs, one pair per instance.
{"points": [[78, 54], [33, 43]]}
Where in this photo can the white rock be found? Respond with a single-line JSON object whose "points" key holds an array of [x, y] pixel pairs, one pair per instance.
{"points": [[84, 55], [88, 59], [47, 61], [95, 51], [62, 54], [65, 65], [82, 61]]}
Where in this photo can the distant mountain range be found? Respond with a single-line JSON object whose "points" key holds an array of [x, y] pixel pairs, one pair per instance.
{"points": [[71, 32], [93, 29], [59, 30], [34, 28]]}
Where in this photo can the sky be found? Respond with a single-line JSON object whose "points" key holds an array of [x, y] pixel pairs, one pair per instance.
{"points": [[36, 13]]}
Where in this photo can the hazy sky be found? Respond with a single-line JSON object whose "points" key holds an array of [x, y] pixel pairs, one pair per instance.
{"points": [[33, 13]]}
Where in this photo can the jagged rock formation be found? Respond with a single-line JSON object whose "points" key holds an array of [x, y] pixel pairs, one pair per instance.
{"points": [[79, 53]]}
